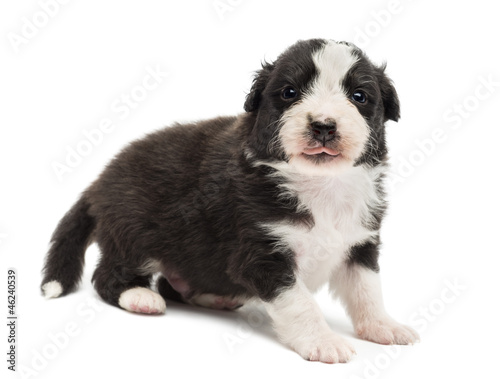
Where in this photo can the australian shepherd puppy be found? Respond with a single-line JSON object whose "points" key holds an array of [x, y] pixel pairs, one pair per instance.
{"points": [[269, 205]]}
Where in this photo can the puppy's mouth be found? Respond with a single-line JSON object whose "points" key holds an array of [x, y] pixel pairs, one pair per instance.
{"points": [[321, 151]]}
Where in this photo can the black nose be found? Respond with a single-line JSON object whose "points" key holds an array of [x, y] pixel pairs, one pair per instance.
{"points": [[324, 131]]}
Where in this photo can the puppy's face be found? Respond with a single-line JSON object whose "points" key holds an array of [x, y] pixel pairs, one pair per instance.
{"points": [[321, 107]]}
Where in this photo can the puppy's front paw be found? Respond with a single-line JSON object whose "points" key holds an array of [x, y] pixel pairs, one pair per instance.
{"points": [[387, 332], [329, 348]]}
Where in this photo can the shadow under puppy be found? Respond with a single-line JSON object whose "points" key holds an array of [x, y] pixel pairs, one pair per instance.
{"points": [[270, 205]]}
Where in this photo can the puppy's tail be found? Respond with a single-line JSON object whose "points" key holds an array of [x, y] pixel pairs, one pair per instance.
{"points": [[65, 258]]}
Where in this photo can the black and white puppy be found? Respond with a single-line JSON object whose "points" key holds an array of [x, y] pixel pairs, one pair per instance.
{"points": [[269, 205]]}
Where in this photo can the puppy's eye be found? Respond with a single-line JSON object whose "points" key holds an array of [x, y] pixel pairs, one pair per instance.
{"points": [[359, 97], [289, 93]]}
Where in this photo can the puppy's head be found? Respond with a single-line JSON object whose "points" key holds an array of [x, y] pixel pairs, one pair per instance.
{"points": [[320, 108]]}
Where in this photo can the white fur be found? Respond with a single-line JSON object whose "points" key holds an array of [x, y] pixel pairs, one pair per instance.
{"points": [[325, 100], [142, 300], [360, 290], [52, 289], [300, 324], [151, 266], [333, 61], [340, 207]]}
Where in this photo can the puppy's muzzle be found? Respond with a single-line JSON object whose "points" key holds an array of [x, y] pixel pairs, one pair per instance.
{"points": [[324, 131]]}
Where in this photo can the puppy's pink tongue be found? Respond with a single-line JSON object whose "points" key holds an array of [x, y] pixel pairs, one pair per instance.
{"points": [[321, 149]]}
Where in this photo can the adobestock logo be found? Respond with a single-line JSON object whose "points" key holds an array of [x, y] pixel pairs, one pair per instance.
{"points": [[31, 26], [454, 118], [58, 341], [379, 20], [420, 320], [222, 7], [247, 324], [425, 315], [122, 107]]}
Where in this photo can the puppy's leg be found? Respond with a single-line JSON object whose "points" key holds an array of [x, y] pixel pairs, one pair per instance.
{"points": [[300, 324], [296, 317], [359, 289], [167, 291], [122, 285]]}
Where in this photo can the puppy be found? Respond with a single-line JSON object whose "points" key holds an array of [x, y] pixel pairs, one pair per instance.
{"points": [[269, 205]]}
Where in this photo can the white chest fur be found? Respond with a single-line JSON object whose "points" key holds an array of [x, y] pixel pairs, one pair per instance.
{"points": [[340, 207]]}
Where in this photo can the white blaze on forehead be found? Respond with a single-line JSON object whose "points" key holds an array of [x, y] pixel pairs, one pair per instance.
{"points": [[333, 62]]}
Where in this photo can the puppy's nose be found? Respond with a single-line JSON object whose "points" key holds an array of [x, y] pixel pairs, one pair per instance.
{"points": [[324, 131]]}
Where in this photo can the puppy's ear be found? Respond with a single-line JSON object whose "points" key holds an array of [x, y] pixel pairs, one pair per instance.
{"points": [[389, 96], [259, 83]]}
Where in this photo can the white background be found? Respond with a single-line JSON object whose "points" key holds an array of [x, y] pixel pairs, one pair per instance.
{"points": [[62, 81]]}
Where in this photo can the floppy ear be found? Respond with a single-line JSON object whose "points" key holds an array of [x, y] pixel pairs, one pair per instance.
{"points": [[259, 83], [389, 96]]}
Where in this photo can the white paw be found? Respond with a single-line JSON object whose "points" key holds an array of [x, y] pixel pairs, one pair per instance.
{"points": [[142, 300], [387, 332], [329, 348]]}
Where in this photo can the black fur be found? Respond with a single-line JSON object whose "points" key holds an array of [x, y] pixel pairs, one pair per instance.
{"points": [[366, 255], [383, 104], [191, 197], [71, 238], [294, 67]]}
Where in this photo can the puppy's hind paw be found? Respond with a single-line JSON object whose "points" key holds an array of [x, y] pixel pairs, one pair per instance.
{"points": [[142, 300]]}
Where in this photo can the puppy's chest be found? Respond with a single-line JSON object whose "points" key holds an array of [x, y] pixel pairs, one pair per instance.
{"points": [[341, 210]]}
